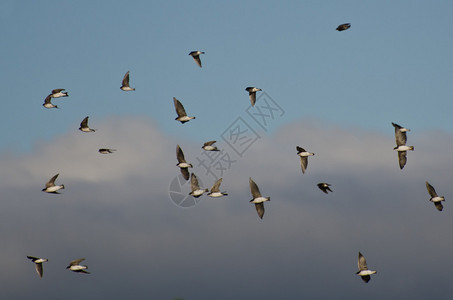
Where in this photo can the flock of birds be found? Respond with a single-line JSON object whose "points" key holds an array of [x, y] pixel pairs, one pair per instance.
{"points": [[196, 191]]}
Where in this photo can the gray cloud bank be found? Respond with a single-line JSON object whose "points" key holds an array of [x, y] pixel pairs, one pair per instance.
{"points": [[116, 212]]}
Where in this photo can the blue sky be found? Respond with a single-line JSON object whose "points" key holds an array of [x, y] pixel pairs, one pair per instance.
{"points": [[338, 93], [392, 65]]}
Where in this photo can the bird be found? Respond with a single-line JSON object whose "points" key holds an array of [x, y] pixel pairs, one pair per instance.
{"points": [[57, 93], [252, 93], [303, 158], [257, 198], [196, 57], [215, 190], [47, 103], [400, 138], [182, 116], [106, 150], [51, 187], [125, 86], [196, 191], [182, 164], [208, 146], [344, 26], [323, 186], [38, 264], [436, 199], [84, 126], [363, 272], [75, 266]]}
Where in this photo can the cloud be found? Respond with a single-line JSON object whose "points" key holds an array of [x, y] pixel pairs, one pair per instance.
{"points": [[116, 212]]}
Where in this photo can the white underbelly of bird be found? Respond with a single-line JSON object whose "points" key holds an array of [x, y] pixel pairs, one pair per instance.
{"points": [[366, 272], [404, 148], [260, 200]]}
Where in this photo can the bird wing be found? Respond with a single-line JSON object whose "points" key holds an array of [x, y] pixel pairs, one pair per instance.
{"points": [[252, 97], [254, 189], [38, 267], [431, 190], [179, 108], [51, 182], [303, 163], [194, 182], [400, 137], [402, 158], [209, 143], [82, 271], [75, 262], [126, 79], [48, 98], [438, 206], [180, 155], [216, 186], [260, 209], [185, 173], [322, 187], [57, 91], [362, 262], [32, 258], [366, 278], [84, 123], [300, 149], [197, 59]]}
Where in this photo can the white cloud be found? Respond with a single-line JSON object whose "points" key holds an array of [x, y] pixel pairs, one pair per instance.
{"points": [[116, 209]]}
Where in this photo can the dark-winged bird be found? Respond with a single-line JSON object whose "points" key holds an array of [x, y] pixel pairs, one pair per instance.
{"points": [[363, 272], [84, 126], [51, 187], [252, 93], [303, 157], [436, 199], [181, 112], [38, 264], [323, 186], [182, 164], [196, 57], [344, 26], [125, 85], [75, 266], [257, 198], [401, 148]]}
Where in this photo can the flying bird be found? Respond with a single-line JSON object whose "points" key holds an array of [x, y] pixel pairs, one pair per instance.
{"points": [[344, 26], [106, 150], [323, 186], [47, 102], [196, 57], [363, 272], [257, 198], [252, 93], [51, 187], [181, 112], [215, 190], [125, 86], [57, 93], [196, 190], [303, 158], [38, 264], [208, 146], [436, 199], [401, 148], [84, 126], [75, 266], [182, 164]]}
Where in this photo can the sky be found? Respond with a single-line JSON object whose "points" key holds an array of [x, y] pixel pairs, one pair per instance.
{"points": [[128, 213]]}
